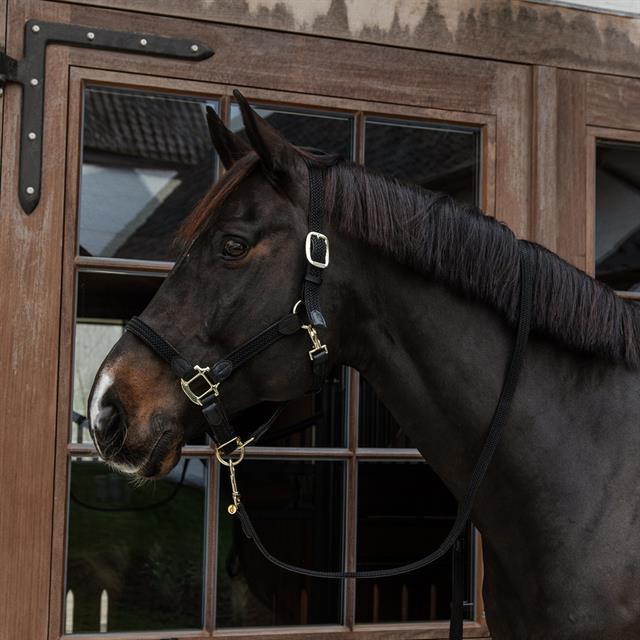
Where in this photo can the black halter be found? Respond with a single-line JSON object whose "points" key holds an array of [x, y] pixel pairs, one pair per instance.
{"points": [[201, 385]]}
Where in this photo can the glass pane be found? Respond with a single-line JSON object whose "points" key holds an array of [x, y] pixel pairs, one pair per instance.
{"points": [[436, 157], [618, 215], [418, 521], [376, 425], [135, 555], [318, 420], [147, 159], [105, 302], [328, 132], [297, 509]]}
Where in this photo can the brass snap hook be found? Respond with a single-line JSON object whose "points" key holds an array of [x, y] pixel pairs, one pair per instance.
{"points": [[232, 462]]}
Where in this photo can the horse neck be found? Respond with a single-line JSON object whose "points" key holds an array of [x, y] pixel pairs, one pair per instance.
{"points": [[437, 361]]}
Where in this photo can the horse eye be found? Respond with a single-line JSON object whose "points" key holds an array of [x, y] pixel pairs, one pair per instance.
{"points": [[234, 249]]}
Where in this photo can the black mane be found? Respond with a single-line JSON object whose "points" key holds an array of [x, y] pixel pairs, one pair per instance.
{"points": [[479, 257]]}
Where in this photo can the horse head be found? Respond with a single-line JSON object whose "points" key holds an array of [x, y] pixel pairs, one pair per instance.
{"points": [[241, 270]]}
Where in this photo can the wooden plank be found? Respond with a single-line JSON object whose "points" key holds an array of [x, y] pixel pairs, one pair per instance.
{"points": [[513, 148], [572, 169], [612, 102], [515, 31], [302, 64], [30, 264], [3, 40], [408, 631], [544, 209]]}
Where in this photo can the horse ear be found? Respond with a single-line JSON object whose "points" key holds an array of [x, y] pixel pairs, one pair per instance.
{"points": [[275, 152], [230, 146]]}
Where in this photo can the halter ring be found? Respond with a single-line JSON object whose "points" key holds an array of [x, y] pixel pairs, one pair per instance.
{"points": [[229, 461]]}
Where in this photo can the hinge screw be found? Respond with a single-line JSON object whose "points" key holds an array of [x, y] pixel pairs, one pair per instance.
{"points": [[35, 28], [31, 135], [194, 48], [91, 35], [30, 190], [33, 82], [143, 42]]}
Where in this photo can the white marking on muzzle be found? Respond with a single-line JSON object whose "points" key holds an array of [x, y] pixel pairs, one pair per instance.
{"points": [[104, 382]]}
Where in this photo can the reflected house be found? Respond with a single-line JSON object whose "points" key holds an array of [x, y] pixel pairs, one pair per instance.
{"points": [[154, 155]]}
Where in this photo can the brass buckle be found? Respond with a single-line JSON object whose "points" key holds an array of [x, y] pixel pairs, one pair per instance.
{"points": [[318, 347], [192, 395], [232, 463], [307, 249]]}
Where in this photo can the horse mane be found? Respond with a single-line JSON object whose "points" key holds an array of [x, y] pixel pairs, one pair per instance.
{"points": [[462, 247], [479, 257]]}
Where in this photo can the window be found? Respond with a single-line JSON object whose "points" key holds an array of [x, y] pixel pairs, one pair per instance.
{"points": [[167, 557], [617, 229]]}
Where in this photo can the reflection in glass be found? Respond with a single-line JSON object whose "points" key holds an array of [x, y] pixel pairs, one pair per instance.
{"points": [[147, 159], [404, 513], [105, 302], [330, 133], [377, 427], [135, 555], [317, 420], [618, 215], [297, 509], [438, 158]]}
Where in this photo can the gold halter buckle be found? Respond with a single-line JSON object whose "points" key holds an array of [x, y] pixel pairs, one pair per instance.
{"points": [[196, 398]]}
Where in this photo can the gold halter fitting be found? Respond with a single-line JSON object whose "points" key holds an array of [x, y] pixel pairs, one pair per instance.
{"points": [[232, 463], [196, 398], [318, 347]]}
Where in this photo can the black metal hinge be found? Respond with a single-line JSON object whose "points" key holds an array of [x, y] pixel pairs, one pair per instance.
{"points": [[29, 72]]}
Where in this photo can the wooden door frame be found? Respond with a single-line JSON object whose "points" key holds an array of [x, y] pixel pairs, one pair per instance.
{"points": [[37, 251]]}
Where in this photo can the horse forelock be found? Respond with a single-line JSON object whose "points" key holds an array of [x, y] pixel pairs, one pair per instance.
{"points": [[479, 257], [219, 192]]}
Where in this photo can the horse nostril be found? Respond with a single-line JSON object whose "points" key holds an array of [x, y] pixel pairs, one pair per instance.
{"points": [[108, 430]]}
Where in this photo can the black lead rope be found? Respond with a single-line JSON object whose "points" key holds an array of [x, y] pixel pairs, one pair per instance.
{"points": [[455, 536]]}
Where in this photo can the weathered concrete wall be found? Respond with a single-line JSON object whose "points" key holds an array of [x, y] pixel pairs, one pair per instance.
{"points": [[517, 30]]}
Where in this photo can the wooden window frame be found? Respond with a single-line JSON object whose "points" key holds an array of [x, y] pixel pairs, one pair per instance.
{"points": [[79, 79]]}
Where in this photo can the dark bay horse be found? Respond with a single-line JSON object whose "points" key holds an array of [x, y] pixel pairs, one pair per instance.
{"points": [[421, 297]]}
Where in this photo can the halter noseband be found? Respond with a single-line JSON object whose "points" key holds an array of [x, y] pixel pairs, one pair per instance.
{"points": [[201, 384]]}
